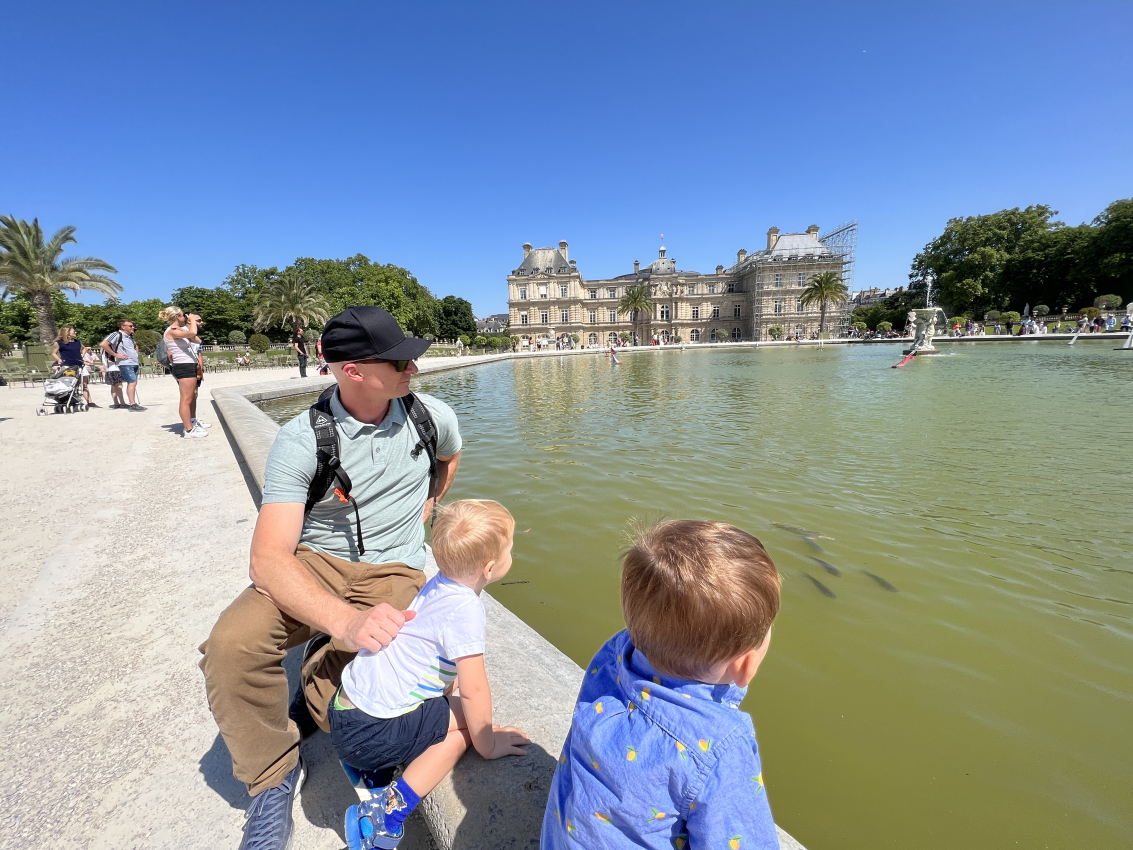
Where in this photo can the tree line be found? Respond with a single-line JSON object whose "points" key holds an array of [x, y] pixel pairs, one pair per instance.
{"points": [[1001, 262], [34, 279]]}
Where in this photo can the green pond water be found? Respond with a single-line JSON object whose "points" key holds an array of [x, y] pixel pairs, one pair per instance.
{"points": [[978, 692]]}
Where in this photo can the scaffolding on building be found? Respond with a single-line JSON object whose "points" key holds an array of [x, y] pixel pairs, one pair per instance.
{"points": [[843, 242]]}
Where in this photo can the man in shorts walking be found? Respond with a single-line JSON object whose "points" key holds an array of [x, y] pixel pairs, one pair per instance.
{"points": [[346, 569], [121, 356]]}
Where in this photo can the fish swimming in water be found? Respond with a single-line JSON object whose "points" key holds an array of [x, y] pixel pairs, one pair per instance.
{"points": [[882, 582], [802, 532], [823, 589], [830, 568], [506, 583], [813, 545]]}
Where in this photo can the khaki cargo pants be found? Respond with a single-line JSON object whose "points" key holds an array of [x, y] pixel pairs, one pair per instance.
{"points": [[243, 664]]}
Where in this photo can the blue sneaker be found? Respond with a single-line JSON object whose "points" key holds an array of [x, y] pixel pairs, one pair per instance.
{"points": [[366, 823], [268, 823]]}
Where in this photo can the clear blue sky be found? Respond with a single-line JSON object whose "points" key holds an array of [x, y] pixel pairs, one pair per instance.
{"points": [[183, 139]]}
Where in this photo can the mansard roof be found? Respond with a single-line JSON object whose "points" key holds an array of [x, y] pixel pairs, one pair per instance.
{"points": [[549, 260], [798, 245]]}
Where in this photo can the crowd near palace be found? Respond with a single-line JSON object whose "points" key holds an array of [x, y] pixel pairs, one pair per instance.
{"points": [[549, 300]]}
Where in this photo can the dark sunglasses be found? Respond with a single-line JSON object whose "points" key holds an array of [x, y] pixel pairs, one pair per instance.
{"points": [[398, 365]]}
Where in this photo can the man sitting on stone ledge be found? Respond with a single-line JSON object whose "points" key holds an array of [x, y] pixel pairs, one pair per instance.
{"points": [[346, 570]]}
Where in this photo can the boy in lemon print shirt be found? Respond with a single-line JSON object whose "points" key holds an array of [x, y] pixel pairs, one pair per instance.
{"points": [[394, 708], [659, 754]]}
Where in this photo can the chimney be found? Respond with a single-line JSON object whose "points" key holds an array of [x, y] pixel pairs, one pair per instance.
{"points": [[741, 255], [636, 266], [526, 249], [563, 250], [772, 237], [719, 269], [813, 231]]}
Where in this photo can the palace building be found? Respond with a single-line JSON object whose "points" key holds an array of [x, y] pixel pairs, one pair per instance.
{"points": [[548, 298]]}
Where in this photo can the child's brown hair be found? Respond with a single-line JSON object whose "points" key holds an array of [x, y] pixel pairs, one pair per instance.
{"points": [[697, 593], [469, 533]]}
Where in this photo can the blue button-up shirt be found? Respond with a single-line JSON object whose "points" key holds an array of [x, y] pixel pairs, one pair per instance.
{"points": [[652, 761]]}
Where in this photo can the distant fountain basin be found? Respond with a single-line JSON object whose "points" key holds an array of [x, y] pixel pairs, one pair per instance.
{"points": [[925, 323]]}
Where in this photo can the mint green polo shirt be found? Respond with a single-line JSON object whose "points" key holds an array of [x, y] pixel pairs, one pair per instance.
{"points": [[389, 485]]}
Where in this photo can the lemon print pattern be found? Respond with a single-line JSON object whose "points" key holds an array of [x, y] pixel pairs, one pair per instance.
{"points": [[681, 751], [656, 815], [759, 781], [734, 843], [705, 745], [644, 694], [680, 841], [598, 707], [604, 818], [593, 761], [631, 754]]}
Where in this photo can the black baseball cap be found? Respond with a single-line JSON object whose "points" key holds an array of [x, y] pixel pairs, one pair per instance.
{"points": [[365, 333]]}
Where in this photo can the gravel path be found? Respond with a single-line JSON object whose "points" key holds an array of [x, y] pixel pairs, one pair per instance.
{"points": [[121, 543]]}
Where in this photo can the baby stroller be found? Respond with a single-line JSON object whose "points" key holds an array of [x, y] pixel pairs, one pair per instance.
{"points": [[63, 392]]}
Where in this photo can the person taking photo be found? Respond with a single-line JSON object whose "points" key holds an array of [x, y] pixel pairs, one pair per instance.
{"points": [[183, 344]]}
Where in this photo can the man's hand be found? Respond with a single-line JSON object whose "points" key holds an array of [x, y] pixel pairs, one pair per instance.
{"points": [[374, 628], [428, 513], [508, 741]]}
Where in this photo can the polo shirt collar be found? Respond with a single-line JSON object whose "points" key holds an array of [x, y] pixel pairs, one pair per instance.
{"points": [[352, 427]]}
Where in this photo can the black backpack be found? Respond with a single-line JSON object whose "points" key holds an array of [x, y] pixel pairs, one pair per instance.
{"points": [[328, 469]]}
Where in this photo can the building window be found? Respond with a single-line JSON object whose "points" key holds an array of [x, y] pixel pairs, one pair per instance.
{"points": [[692, 289], [759, 280], [736, 334], [613, 316], [735, 310], [696, 315], [593, 317], [716, 311], [564, 316], [732, 286], [778, 306], [562, 292], [711, 289], [523, 318], [543, 317], [802, 278], [799, 305], [778, 280], [542, 291], [611, 292], [593, 293], [593, 338], [613, 337], [665, 312], [694, 335], [523, 293]]}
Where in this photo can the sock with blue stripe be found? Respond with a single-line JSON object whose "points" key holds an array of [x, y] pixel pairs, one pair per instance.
{"points": [[406, 801]]}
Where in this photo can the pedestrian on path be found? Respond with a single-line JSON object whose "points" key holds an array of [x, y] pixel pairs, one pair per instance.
{"points": [[182, 343], [339, 574], [301, 351], [120, 354], [68, 351]]}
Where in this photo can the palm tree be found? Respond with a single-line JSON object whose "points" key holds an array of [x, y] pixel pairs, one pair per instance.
{"points": [[638, 302], [290, 298], [824, 289], [28, 264]]}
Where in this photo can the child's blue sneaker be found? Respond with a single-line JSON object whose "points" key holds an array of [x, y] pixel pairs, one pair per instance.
{"points": [[363, 781], [365, 824]]}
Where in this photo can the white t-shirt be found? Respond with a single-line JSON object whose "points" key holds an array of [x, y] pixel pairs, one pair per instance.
{"points": [[421, 661]]}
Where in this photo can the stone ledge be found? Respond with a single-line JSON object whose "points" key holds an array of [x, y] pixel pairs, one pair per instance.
{"points": [[481, 805]]}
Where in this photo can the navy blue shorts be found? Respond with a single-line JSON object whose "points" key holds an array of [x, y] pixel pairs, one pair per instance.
{"points": [[381, 745]]}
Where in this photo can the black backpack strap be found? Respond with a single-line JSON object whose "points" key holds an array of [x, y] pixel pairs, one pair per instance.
{"points": [[427, 434], [327, 466]]}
